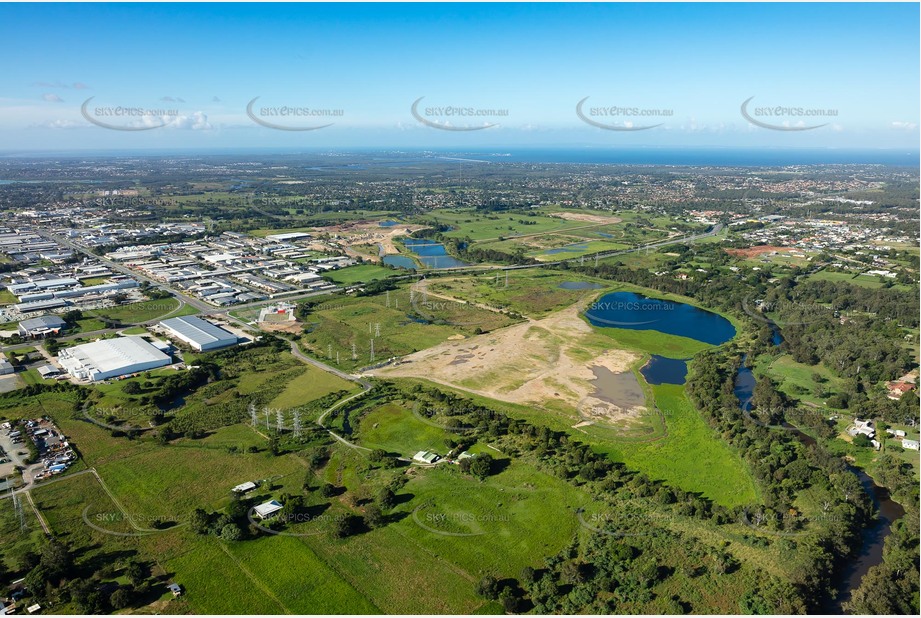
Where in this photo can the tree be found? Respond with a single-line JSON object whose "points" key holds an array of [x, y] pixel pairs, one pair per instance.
{"points": [[35, 580], [327, 490], [231, 532], [131, 388], [120, 598], [862, 440], [509, 600], [528, 575], [386, 499], [374, 516], [236, 508], [345, 526], [199, 521], [488, 588], [481, 465], [136, 572], [55, 559]]}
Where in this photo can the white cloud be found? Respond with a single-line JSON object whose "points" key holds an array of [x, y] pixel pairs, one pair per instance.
{"points": [[63, 124], [197, 121], [903, 126], [52, 98]]}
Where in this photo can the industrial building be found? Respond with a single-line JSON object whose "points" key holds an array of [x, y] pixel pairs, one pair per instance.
{"points": [[110, 358], [201, 334]]}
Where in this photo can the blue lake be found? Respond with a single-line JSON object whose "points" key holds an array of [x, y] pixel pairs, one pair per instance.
{"points": [[637, 312], [431, 253], [388, 223], [400, 261], [662, 370]]}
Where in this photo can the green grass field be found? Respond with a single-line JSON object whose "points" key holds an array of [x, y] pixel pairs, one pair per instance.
{"points": [[395, 429], [863, 280], [797, 379], [692, 456], [405, 326], [135, 313], [362, 273], [312, 384]]}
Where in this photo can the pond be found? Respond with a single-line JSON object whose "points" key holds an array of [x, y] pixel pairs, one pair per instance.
{"points": [[388, 223], [580, 285], [637, 312], [579, 246], [432, 254], [663, 370], [400, 261]]}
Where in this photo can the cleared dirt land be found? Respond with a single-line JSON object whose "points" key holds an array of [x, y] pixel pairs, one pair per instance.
{"points": [[543, 363], [579, 216]]}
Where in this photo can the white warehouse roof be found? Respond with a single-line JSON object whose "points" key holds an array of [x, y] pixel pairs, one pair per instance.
{"points": [[109, 358], [200, 334]]}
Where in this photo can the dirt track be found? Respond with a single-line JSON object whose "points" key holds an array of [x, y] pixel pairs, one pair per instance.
{"points": [[529, 363]]}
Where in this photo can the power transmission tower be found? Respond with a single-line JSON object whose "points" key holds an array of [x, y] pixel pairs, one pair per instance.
{"points": [[377, 329], [253, 413], [279, 420], [372, 350], [296, 424], [354, 352]]}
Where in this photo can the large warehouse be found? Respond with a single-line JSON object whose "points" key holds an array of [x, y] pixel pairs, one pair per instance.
{"points": [[110, 358], [201, 334]]}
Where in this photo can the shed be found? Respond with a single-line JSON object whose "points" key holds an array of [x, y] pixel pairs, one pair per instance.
{"points": [[242, 488]]}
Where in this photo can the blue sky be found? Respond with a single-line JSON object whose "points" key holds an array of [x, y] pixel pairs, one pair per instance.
{"points": [[686, 68]]}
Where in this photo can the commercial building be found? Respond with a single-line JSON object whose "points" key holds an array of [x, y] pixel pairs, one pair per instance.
{"points": [[41, 326], [110, 358], [201, 334]]}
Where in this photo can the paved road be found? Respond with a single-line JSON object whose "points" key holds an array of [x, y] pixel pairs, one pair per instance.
{"points": [[296, 351]]}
